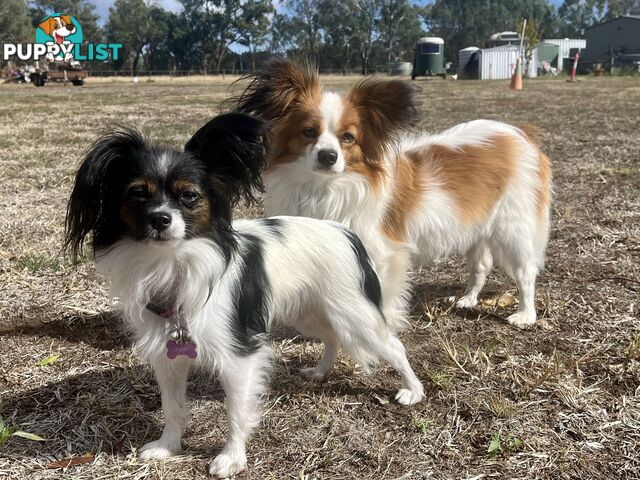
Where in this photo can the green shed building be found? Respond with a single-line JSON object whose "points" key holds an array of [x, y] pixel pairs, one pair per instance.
{"points": [[429, 58]]}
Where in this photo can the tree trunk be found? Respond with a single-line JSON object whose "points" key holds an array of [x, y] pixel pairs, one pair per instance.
{"points": [[219, 59], [253, 60], [134, 66], [364, 56]]}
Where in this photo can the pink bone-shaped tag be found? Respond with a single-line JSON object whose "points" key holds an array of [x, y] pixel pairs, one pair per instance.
{"points": [[187, 348]]}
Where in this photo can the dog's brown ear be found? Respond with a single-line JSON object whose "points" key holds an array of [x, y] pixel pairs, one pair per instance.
{"points": [[279, 86], [66, 19], [387, 106], [47, 26]]}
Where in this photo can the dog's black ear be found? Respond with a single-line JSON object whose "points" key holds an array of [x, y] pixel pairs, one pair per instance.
{"points": [[279, 85], [233, 148], [93, 200]]}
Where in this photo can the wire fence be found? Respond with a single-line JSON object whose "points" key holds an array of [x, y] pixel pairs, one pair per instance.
{"points": [[217, 73]]}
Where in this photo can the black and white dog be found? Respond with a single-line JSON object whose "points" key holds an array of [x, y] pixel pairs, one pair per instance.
{"points": [[199, 290]]}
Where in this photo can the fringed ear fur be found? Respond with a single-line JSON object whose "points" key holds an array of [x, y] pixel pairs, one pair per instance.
{"points": [[88, 209], [280, 85], [388, 106], [232, 147]]}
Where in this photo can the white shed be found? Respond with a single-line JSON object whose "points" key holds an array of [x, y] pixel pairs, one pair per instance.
{"points": [[500, 63], [565, 45]]}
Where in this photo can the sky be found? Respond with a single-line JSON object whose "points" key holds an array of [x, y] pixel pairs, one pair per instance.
{"points": [[102, 6]]}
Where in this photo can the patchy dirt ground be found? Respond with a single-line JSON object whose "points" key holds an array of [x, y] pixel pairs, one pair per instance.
{"points": [[561, 400]]}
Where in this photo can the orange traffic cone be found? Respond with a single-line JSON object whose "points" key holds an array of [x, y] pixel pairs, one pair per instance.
{"points": [[516, 78]]}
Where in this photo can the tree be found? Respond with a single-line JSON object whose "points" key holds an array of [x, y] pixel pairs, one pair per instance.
{"points": [[183, 43], [617, 8], [139, 27], [399, 27], [531, 39], [156, 46], [338, 24], [463, 23], [577, 15], [282, 38], [218, 24], [82, 10], [305, 20], [367, 14], [254, 26], [15, 22], [392, 16]]}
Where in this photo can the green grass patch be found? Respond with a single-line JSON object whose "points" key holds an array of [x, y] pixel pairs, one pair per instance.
{"points": [[41, 262], [504, 445]]}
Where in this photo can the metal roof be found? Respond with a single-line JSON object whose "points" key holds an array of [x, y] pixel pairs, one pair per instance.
{"points": [[630, 17], [437, 40]]}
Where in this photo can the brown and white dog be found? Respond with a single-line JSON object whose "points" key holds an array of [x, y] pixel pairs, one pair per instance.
{"points": [[58, 28], [482, 189]]}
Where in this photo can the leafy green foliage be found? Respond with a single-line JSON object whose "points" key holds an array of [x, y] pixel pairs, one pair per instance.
{"points": [[503, 445], [7, 432], [82, 10], [463, 23], [15, 22], [336, 34], [50, 360]]}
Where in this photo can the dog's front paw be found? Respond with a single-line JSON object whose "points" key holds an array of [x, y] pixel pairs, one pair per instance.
{"points": [[158, 450], [522, 319], [467, 302], [312, 374], [409, 397], [226, 465]]}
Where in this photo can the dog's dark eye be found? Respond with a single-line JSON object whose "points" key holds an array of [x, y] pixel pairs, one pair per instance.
{"points": [[189, 197], [138, 193], [347, 137], [310, 133]]}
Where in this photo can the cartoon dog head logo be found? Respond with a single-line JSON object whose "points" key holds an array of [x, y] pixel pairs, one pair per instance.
{"points": [[61, 30]]}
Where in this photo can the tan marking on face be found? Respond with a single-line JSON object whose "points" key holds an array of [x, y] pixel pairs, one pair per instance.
{"points": [[128, 216], [362, 155], [180, 185], [149, 184], [198, 217], [130, 206], [288, 142], [408, 188], [476, 176]]}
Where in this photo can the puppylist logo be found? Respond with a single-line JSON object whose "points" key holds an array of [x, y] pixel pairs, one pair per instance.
{"points": [[59, 37]]}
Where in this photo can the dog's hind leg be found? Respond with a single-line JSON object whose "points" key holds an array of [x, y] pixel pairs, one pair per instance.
{"points": [[317, 326], [393, 352], [480, 263], [367, 338], [244, 381], [329, 356], [525, 277], [172, 380]]}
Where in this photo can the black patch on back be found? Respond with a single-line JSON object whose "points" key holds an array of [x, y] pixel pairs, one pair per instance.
{"points": [[371, 282], [274, 225], [251, 296]]}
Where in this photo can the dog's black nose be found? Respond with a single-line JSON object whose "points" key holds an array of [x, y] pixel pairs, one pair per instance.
{"points": [[326, 158], [160, 220]]}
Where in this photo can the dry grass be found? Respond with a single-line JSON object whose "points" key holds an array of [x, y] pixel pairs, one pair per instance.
{"points": [[559, 401]]}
